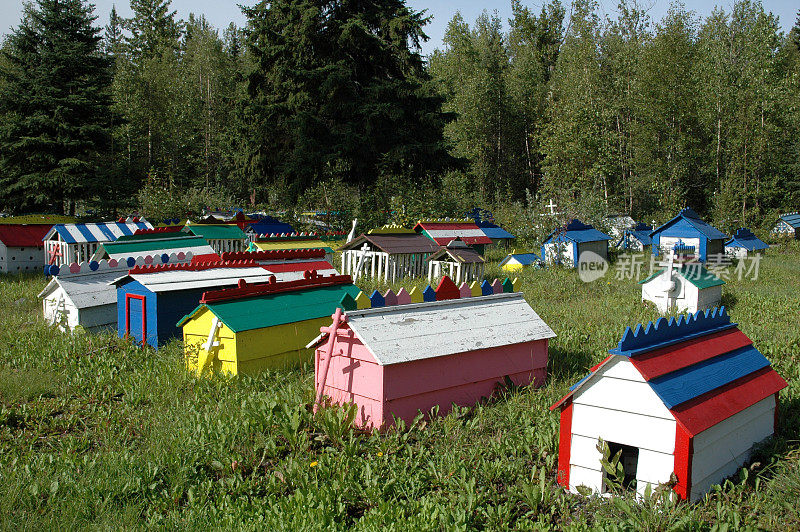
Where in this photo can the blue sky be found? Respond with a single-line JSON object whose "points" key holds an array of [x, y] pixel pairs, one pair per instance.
{"points": [[221, 12]]}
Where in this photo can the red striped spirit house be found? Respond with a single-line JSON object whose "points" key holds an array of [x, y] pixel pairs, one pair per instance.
{"points": [[689, 396]]}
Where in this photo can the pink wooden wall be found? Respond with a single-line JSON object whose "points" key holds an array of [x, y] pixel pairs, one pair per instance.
{"points": [[404, 389]]}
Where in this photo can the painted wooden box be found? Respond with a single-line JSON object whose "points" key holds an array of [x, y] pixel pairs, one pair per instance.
{"points": [[683, 285], [221, 237], [389, 253], [397, 361], [567, 245], [21, 247], [152, 299], [689, 397], [290, 263], [81, 294], [636, 239], [261, 326], [687, 227], [788, 225], [444, 230], [286, 241], [159, 241], [76, 243], [516, 261], [743, 243], [456, 260]]}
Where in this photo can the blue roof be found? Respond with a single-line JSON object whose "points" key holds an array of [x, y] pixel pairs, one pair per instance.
{"points": [[577, 232], [697, 223], [744, 238], [269, 226], [495, 232], [525, 259], [792, 219]]}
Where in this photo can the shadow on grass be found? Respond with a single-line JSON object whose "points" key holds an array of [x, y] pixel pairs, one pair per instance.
{"points": [[568, 364], [729, 300]]}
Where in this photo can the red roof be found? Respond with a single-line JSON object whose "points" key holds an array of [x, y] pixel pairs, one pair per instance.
{"points": [[23, 235]]}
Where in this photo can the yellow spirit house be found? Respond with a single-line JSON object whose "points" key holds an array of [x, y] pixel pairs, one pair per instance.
{"points": [[261, 326]]}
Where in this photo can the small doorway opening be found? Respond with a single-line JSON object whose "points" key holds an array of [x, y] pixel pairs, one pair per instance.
{"points": [[629, 460]]}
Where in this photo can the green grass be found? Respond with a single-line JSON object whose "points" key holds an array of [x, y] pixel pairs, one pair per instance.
{"points": [[95, 432], [39, 219]]}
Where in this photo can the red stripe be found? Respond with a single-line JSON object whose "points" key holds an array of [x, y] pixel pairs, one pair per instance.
{"points": [[717, 405], [433, 226], [564, 444], [298, 266], [683, 461], [672, 358]]}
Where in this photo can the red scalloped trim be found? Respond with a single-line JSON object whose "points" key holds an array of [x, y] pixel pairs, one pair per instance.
{"points": [[272, 254], [167, 229], [149, 268]]}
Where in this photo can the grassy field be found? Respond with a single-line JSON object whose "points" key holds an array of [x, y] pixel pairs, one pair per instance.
{"points": [[96, 432]]}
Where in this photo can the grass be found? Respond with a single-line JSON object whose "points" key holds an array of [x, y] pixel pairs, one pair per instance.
{"points": [[39, 219], [95, 432]]}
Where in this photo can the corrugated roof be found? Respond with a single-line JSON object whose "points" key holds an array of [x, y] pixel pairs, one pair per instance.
{"points": [[709, 231], [216, 232], [173, 280], [444, 232], [792, 219], [395, 244], [90, 289], [100, 232], [278, 309], [578, 232], [745, 238], [428, 330], [23, 235], [691, 363]]}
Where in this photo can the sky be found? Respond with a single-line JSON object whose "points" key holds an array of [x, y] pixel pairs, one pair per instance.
{"points": [[221, 12]]}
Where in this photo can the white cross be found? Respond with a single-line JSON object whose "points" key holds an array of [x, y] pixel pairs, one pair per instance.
{"points": [[551, 206]]}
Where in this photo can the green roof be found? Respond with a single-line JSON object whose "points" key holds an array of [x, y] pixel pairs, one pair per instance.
{"points": [[270, 310], [166, 243], [151, 236], [695, 274], [217, 232]]}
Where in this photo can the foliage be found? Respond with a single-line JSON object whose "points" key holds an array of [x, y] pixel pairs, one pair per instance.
{"points": [[159, 202], [55, 108]]}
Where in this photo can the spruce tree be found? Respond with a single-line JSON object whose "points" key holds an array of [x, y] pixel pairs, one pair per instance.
{"points": [[55, 105], [339, 90]]}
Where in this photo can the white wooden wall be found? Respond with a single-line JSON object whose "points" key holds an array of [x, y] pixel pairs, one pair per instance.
{"points": [[736, 252], [458, 272], [359, 263], [59, 310], [620, 407], [551, 252], [721, 450], [20, 259], [224, 245]]}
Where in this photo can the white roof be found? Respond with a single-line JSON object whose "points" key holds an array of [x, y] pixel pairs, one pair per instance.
{"points": [[171, 280], [452, 233], [85, 290], [419, 331], [96, 232]]}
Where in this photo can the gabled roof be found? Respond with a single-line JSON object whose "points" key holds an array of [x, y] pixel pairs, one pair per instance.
{"points": [[216, 232], [702, 367], [420, 331], [493, 230], [744, 238], [194, 276], [792, 218], [578, 232], [90, 289], [100, 232], [459, 251], [694, 272], [697, 223], [167, 243], [300, 302], [443, 231], [525, 259], [268, 225], [395, 244], [23, 235]]}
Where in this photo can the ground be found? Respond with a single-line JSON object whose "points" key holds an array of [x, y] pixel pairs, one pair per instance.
{"points": [[97, 432]]}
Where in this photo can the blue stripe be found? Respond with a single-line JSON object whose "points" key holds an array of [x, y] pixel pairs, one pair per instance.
{"points": [[65, 236], [687, 383], [85, 232], [124, 229], [106, 231]]}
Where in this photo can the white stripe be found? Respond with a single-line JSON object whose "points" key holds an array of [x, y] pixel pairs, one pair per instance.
{"points": [[96, 233], [448, 233], [75, 233]]}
